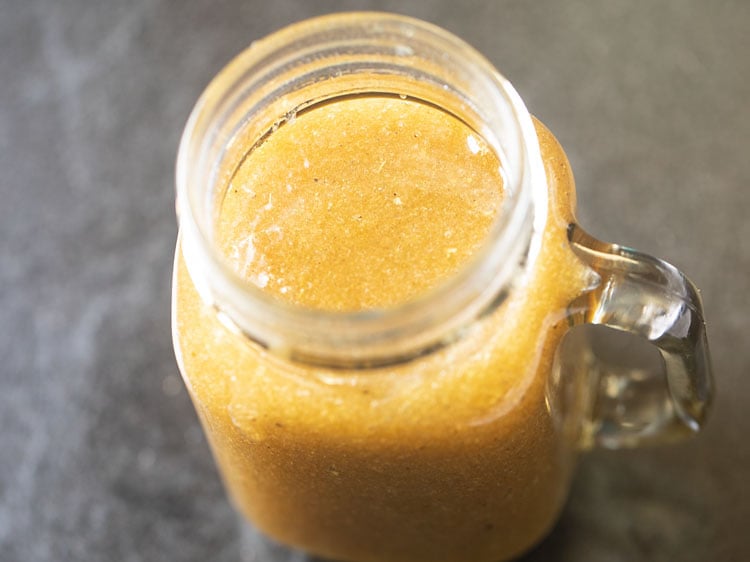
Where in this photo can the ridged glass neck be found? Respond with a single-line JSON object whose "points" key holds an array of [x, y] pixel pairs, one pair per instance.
{"points": [[320, 60]]}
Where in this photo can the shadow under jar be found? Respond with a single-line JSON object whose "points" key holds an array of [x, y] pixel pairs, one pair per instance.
{"points": [[377, 263]]}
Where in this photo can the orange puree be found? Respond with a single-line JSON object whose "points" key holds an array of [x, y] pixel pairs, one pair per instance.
{"points": [[454, 457], [361, 203]]}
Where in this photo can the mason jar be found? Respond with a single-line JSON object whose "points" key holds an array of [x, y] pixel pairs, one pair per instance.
{"points": [[442, 426]]}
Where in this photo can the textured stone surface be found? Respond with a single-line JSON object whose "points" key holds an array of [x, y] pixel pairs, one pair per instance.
{"points": [[101, 456]]}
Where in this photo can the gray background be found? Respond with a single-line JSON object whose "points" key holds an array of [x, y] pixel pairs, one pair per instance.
{"points": [[101, 456]]}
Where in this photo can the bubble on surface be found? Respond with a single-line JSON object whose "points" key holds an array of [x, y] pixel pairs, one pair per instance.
{"points": [[262, 279], [473, 144]]}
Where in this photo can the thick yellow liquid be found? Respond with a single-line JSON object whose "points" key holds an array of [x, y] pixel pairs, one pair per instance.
{"points": [[455, 457], [360, 203]]}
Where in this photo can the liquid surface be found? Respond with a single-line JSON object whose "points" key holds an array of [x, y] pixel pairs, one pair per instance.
{"points": [[458, 456], [321, 214]]}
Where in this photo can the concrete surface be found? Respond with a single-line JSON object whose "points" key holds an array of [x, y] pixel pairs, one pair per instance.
{"points": [[101, 455]]}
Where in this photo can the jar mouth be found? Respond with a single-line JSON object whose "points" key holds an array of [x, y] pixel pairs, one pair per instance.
{"points": [[321, 59]]}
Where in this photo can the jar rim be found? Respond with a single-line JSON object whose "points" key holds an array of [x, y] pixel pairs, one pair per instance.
{"points": [[372, 337]]}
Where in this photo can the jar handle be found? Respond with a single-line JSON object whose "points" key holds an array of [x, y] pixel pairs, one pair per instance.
{"points": [[650, 298]]}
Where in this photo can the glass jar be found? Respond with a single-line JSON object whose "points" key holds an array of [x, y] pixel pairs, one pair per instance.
{"points": [[444, 427]]}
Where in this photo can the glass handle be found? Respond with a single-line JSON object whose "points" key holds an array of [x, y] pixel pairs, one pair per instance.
{"points": [[650, 298]]}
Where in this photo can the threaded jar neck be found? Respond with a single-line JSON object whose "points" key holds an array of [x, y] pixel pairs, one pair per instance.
{"points": [[318, 61]]}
